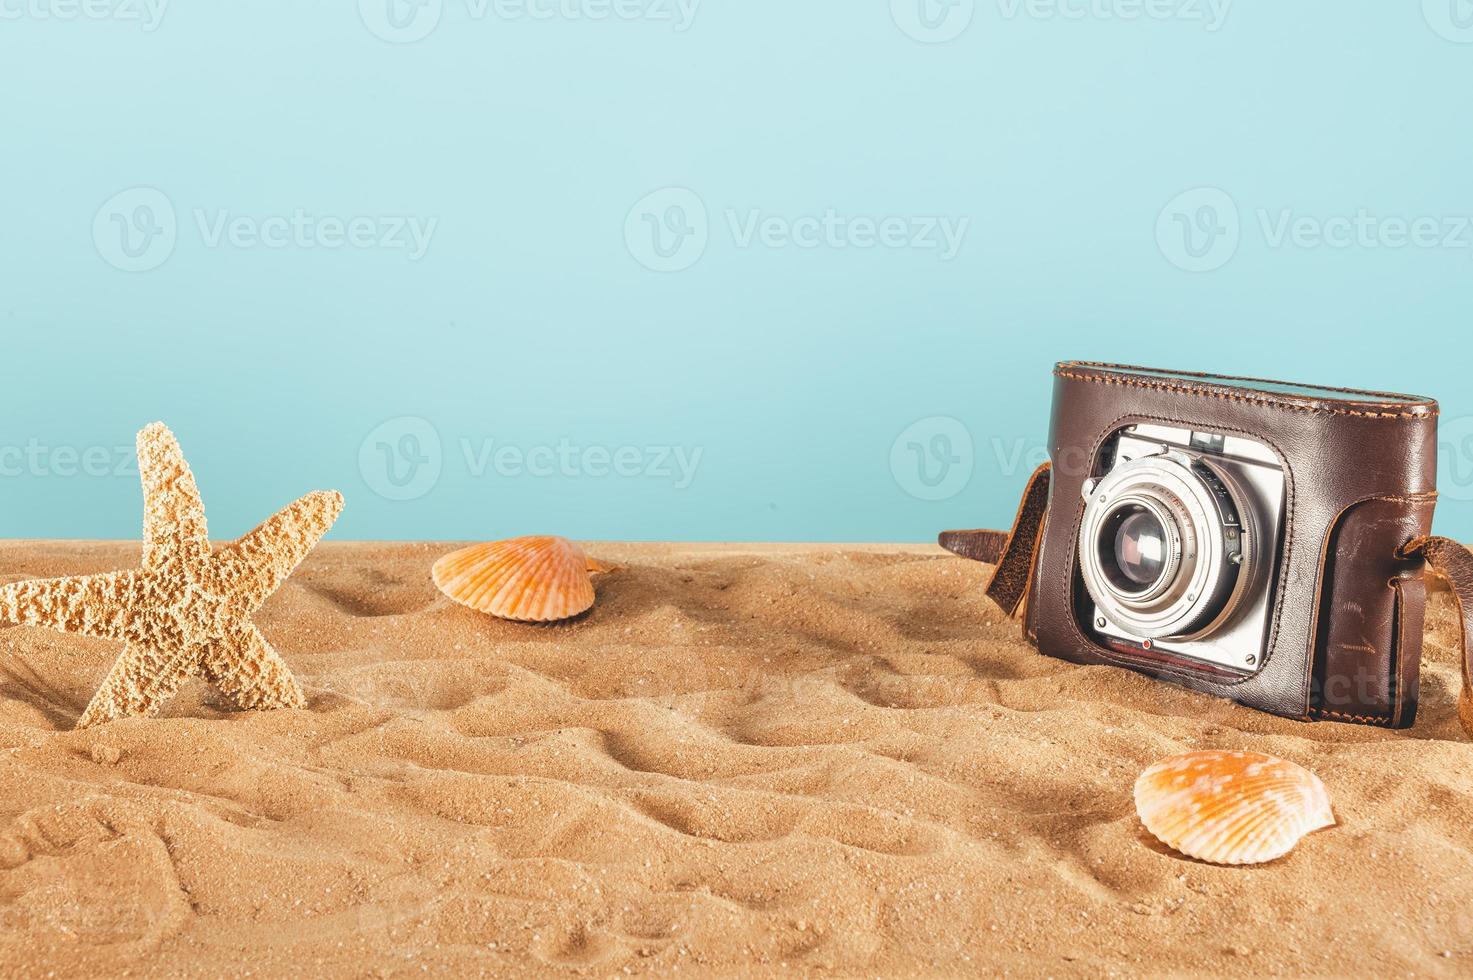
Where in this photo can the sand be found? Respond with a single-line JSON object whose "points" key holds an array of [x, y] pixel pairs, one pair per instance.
{"points": [[746, 760]]}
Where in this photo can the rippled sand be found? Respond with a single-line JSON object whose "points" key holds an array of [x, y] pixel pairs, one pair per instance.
{"points": [[746, 759]]}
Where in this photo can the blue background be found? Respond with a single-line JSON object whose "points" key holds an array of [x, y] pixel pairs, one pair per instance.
{"points": [[531, 318]]}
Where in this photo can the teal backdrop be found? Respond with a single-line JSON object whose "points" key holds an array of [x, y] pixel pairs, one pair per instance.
{"points": [[697, 269]]}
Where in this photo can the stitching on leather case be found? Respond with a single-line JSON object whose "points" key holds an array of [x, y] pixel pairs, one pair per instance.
{"points": [[1363, 719], [1398, 397], [1426, 412], [1281, 589], [1398, 651]]}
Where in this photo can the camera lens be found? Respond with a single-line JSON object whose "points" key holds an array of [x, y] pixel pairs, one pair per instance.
{"points": [[1139, 548], [1165, 549]]}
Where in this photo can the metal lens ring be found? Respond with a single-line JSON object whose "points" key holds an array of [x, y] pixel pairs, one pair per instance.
{"points": [[1206, 546], [1127, 574]]}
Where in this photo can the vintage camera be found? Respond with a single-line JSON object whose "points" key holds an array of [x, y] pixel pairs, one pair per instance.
{"points": [[1178, 540], [1258, 540]]}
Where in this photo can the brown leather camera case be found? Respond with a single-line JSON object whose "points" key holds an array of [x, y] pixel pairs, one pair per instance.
{"points": [[1345, 633]]}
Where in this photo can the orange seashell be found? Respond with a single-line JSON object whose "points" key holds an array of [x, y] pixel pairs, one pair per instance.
{"points": [[1231, 807], [532, 580]]}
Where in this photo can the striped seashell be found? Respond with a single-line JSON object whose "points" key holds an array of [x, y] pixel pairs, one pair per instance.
{"points": [[1231, 807], [532, 580]]}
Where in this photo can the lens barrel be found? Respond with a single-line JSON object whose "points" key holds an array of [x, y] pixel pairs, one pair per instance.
{"points": [[1165, 548]]}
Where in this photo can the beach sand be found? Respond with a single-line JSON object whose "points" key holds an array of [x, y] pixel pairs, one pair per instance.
{"points": [[745, 760]]}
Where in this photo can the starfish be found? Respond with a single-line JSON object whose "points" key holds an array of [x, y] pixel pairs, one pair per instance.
{"points": [[188, 609]]}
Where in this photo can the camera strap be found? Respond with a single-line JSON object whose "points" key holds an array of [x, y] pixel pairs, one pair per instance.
{"points": [[1451, 562], [1015, 552]]}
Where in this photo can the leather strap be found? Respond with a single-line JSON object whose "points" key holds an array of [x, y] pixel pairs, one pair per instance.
{"points": [[979, 545], [1014, 552], [1453, 563]]}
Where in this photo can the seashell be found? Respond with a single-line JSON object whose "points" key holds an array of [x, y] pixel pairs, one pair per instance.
{"points": [[1231, 807], [532, 579]]}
